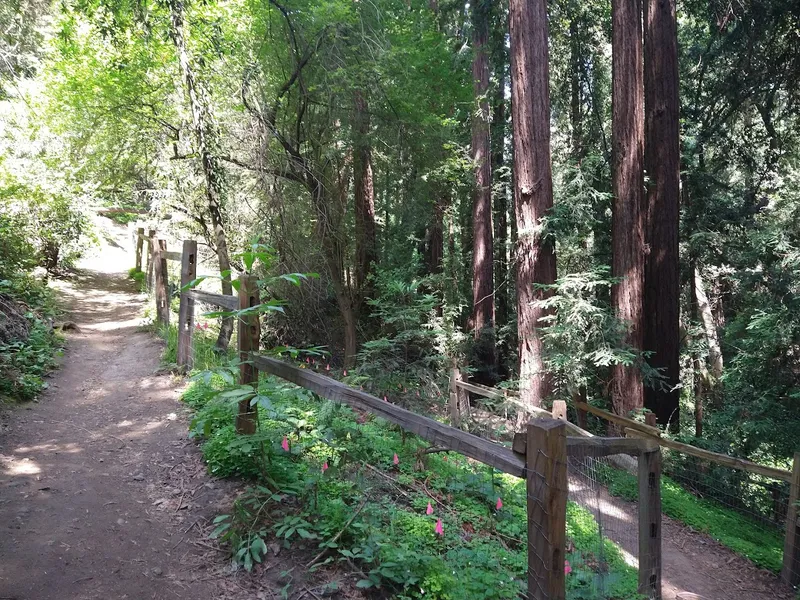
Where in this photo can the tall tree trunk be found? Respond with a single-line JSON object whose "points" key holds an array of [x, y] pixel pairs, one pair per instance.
{"points": [[500, 187], [207, 140], [436, 231], [533, 186], [482, 234], [330, 202], [662, 161], [501, 214], [576, 72], [709, 326], [628, 211], [699, 370], [366, 248]]}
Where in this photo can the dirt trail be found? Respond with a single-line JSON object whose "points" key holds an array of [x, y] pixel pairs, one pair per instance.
{"points": [[692, 562], [101, 493]]}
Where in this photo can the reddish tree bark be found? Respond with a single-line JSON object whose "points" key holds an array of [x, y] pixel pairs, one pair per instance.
{"points": [[662, 160], [366, 248], [628, 211], [533, 186], [482, 233]]}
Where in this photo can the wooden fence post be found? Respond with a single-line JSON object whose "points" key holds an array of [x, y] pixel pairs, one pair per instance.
{"points": [[455, 411], [546, 478], [161, 276], [560, 410], [186, 311], [791, 547], [650, 524], [151, 233], [249, 337], [139, 246]]}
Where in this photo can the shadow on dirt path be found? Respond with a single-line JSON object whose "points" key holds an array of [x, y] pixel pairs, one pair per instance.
{"points": [[101, 493]]}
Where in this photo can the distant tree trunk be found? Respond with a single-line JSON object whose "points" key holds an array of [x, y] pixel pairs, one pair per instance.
{"points": [[709, 326], [502, 309], [330, 202], [533, 186], [628, 211], [366, 249], [699, 370], [482, 234], [206, 137], [662, 161], [436, 232], [576, 71], [499, 187]]}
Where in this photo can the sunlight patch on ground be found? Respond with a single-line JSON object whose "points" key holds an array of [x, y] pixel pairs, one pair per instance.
{"points": [[15, 467], [66, 448]]}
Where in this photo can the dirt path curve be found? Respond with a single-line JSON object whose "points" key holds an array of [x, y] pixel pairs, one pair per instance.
{"points": [[694, 566], [101, 493]]}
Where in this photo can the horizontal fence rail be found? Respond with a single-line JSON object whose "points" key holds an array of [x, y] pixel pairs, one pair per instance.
{"points": [[221, 300], [433, 431]]}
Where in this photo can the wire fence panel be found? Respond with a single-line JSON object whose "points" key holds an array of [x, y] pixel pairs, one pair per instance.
{"points": [[602, 533]]}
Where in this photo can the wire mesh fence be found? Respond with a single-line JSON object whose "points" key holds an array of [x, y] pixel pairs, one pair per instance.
{"points": [[604, 541], [762, 499]]}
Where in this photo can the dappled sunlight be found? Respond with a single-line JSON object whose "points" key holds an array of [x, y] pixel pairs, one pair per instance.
{"points": [[16, 467], [68, 448], [120, 326]]}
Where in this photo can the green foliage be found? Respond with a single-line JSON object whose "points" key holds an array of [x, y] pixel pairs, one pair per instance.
{"points": [[583, 339], [28, 346], [139, 277], [406, 355], [321, 494]]}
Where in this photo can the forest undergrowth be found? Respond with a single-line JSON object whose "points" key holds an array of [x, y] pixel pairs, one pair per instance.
{"points": [[360, 495]]}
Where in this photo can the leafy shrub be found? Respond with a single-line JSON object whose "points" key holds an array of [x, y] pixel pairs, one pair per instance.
{"points": [[27, 342]]}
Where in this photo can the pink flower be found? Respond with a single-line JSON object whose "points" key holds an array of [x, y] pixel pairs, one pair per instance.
{"points": [[499, 504], [385, 399], [308, 360], [396, 460], [429, 510], [567, 568], [327, 367], [325, 466], [345, 373], [205, 325], [285, 444], [417, 393], [439, 529]]}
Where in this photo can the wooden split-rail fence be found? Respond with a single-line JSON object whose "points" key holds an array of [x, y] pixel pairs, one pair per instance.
{"points": [[539, 455], [790, 571]]}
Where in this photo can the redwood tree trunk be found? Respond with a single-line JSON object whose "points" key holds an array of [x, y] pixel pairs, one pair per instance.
{"points": [[482, 234], [628, 211], [662, 161], [533, 186], [366, 249], [501, 288], [206, 137]]}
